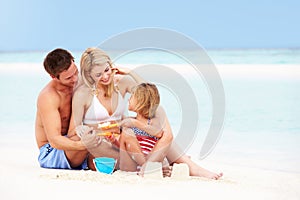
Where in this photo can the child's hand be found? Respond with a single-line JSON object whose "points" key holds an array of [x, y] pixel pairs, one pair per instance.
{"points": [[159, 134], [113, 140]]}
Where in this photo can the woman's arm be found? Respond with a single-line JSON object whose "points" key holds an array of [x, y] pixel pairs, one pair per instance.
{"points": [[124, 71], [79, 100], [127, 80], [162, 146], [136, 77]]}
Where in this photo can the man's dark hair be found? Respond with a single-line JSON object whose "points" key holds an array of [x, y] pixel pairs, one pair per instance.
{"points": [[57, 61]]}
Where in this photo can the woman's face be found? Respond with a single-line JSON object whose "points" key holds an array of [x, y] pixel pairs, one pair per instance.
{"points": [[102, 74]]}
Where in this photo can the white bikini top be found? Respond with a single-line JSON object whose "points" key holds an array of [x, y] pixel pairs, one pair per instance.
{"points": [[97, 113]]}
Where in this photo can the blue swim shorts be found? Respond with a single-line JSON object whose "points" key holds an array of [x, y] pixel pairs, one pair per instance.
{"points": [[54, 158]]}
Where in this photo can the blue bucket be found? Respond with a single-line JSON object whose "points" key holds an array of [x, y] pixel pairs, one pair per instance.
{"points": [[104, 164]]}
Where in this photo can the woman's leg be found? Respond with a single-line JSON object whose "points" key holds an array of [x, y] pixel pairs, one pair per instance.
{"points": [[175, 155], [76, 158]]}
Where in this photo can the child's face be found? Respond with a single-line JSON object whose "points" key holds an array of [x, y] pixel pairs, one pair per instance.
{"points": [[131, 103]]}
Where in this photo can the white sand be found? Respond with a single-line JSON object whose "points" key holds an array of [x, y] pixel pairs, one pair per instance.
{"points": [[22, 178]]}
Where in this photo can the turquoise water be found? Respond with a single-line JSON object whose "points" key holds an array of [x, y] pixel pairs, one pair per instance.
{"points": [[262, 124]]}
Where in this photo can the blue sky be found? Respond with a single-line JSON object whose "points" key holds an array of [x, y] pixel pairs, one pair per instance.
{"points": [[44, 25]]}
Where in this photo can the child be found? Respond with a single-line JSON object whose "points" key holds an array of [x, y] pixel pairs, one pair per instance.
{"points": [[136, 144]]}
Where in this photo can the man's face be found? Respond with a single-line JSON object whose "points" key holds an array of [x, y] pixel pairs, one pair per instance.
{"points": [[69, 77]]}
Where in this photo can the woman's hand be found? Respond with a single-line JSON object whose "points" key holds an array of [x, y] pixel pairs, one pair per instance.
{"points": [[121, 71], [130, 72]]}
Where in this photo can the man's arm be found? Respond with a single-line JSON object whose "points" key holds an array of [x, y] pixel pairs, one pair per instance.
{"points": [[48, 106]]}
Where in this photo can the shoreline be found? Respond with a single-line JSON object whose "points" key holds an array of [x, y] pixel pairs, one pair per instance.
{"points": [[224, 72], [267, 71]]}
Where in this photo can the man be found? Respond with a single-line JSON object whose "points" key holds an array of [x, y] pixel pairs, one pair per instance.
{"points": [[54, 107]]}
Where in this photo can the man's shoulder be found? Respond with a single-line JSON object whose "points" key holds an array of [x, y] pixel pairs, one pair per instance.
{"points": [[48, 93]]}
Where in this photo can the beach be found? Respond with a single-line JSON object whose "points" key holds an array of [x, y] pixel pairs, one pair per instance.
{"points": [[259, 159], [22, 178]]}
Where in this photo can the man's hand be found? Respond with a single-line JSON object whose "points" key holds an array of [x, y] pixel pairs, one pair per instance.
{"points": [[82, 129], [89, 137]]}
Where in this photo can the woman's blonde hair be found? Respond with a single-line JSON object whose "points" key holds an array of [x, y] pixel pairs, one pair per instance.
{"points": [[90, 58], [147, 97]]}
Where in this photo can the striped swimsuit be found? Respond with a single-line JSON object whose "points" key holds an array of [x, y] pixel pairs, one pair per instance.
{"points": [[146, 140]]}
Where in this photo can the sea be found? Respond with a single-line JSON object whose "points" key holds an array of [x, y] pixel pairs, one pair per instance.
{"points": [[258, 118]]}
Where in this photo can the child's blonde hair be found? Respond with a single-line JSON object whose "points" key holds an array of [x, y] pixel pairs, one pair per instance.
{"points": [[147, 98]]}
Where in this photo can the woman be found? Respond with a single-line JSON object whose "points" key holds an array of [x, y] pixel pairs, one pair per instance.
{"points": [[100, 98]]}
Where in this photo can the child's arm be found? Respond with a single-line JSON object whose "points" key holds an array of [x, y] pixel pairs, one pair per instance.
{"points": [[155, 128]]}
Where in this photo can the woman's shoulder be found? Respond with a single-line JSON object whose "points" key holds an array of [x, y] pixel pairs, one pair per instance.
{"points": [[82, 91]]}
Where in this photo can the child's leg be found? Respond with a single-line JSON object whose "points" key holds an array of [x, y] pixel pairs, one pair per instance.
{"points": [[131, 154]]}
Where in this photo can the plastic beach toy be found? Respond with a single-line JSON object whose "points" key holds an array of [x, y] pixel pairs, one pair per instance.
{"points": [[107, 134], [107, 125], [104, 164]]}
